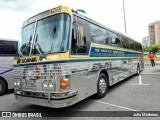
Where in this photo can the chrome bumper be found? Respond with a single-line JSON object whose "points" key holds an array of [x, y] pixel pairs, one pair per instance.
{"points": [[46, 98]]}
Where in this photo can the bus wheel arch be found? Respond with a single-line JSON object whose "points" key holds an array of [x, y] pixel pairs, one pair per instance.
{"points": [[106, 73], [102, 84], [3, 85]]}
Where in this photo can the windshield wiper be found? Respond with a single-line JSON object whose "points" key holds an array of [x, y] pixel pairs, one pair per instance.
{"points": [[27, 45], [20, 54], [37, 45], [54, 32]]}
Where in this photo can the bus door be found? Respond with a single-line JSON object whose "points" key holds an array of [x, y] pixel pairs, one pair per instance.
{"points": [[83, 78]]}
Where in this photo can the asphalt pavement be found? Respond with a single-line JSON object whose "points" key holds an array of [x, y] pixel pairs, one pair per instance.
{"points": [[137, 93]]}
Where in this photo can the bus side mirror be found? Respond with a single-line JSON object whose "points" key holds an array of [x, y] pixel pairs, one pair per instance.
{"points": [[16, 54]]}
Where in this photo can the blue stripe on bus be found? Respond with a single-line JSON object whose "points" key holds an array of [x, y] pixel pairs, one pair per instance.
{"points": [[6, 71], [104, 52], [69, 61]]}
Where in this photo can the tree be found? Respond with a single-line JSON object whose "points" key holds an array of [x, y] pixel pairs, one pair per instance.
{"points": [[153, 48]]}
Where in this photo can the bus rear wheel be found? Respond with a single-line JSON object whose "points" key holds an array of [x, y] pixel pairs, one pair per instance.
{"points": [[138, 70], [102, 86], [2, 86]]}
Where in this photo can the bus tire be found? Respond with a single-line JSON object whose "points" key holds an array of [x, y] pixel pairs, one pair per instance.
{"points": [[102, 86], [138, 70], [3, 86]]}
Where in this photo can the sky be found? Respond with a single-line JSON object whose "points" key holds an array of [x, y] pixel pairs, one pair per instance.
{"points": [[139, 14]]}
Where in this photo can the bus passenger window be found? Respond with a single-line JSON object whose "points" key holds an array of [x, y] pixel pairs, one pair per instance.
{"points": [[99, 35], [107, 38], [121, 41], [132, 44], [113, 38], [126, 42], [118, 42], [140, 47]]}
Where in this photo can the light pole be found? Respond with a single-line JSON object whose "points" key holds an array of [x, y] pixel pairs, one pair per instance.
{"points": [[124, 17]]}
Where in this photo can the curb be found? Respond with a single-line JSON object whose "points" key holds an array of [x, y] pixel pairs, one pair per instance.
{"points": [[148, 63]]}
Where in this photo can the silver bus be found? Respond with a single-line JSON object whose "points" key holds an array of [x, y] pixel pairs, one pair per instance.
{"points": [[65, 57], [8, 50]]}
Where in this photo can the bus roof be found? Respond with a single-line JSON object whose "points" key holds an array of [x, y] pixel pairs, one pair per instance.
{"points": [[48, 12], [65, 9]]}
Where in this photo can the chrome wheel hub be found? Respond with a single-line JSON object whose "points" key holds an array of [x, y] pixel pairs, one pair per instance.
{"points": [[102, 85]]}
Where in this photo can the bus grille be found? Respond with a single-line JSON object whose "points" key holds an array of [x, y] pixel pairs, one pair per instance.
{"points": [[41, 70], [32, 76]]}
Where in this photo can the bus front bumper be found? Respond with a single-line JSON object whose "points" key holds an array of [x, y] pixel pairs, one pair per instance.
{"points": [[47, 99]]}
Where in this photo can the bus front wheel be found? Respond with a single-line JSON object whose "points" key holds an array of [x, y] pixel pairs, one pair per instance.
{"points": [[2, 86], [102, 86]]}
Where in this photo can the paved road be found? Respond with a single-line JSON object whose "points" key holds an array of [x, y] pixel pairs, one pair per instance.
{"points": [[137, 93]]}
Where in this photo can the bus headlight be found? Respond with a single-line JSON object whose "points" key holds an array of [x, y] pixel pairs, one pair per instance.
{"points": [[45, 83], [15, 83], [50, 84], [18, 82]]}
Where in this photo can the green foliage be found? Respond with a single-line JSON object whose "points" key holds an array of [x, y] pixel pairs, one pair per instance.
{"points": [[152, 48], [155, 59]]}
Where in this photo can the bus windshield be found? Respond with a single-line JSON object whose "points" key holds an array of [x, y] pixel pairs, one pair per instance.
{"points": [[26, 38], [51, 35]]}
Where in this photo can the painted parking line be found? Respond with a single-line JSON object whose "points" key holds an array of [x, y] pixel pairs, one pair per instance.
{"points": [[140, 81], [155, 73], [115, 105]]}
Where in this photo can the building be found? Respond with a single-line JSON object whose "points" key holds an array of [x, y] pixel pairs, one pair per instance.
{"points": [[154, 32], [145, 42]]}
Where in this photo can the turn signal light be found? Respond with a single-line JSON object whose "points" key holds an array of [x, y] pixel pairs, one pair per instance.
{"points": [[64, 83]]}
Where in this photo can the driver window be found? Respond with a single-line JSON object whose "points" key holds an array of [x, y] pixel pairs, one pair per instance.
{"points": [[78, 46]]}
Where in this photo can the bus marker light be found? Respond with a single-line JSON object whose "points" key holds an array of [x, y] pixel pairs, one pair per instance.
{"points": [[67, 83], [64, 83]]}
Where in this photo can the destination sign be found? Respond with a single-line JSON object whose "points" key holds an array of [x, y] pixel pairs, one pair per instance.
{"points": [[55, 10]]}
